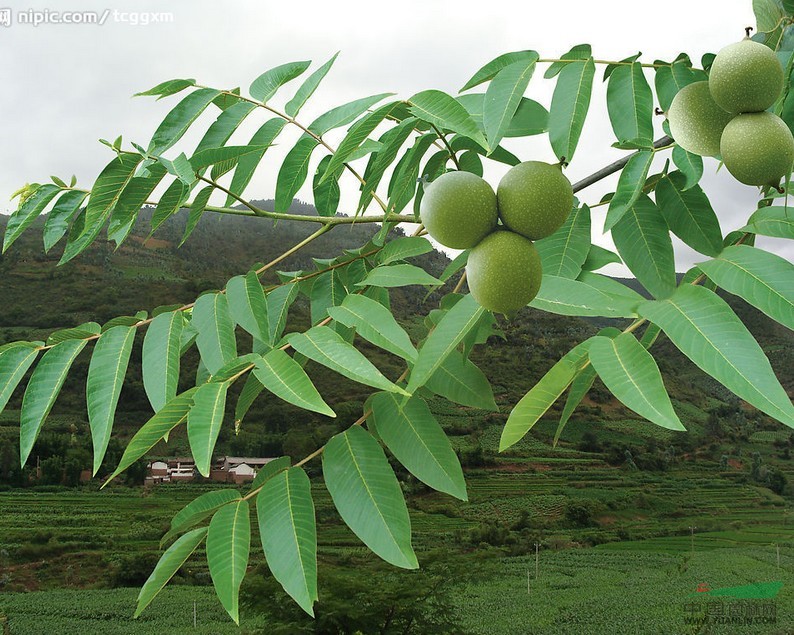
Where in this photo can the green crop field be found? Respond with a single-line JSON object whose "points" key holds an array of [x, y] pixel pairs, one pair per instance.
{"points": [[630, 591], [636, 577]]}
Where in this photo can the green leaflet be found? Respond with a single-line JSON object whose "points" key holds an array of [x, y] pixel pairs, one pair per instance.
{"points": [[375, 323], [14, 363], [598, 257], [631, 374], [133, 197], [690, 165], [235, 367], [688, 214], [759, 277], [439, 109], [228, 547], [630, 104], [247, 304], [459, 380], [643, 242], [670, 79], [28, 212], [542, 396], [216, 341], [581, 384], [279, 301], [196, 211], [564, 252], [180, 168], [180, 119], [365, 490], [357, 134], [327, 291], [199, 509], [266, 85], [106, 192], [247, 163], [399, 275], [569, 105], [440, 343], [164, 420], [573, 297], [223, 127], [167, 88], [285, 378], [204, 423], [402, 248], [326, 347], [457, 263], [777, 222], [170, 203], [76, 241], [768, 14], [161, 353], [105, 376], [251, 390], [59, 217], [530, 118], [269, 470], [42, 391], [392, 140], [581, 52], [82, 332], [293, 172], [125, 320], [403, 182], [413, 435], [630, 184], [612, 287], [492, 68], [212, 156], [288, 532], [503, 97], [169, 563], [308, 87], [707, 331], [326, 190], [344, 114]]}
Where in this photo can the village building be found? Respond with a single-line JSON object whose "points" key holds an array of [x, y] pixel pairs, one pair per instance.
{"points": [[225, 469]]}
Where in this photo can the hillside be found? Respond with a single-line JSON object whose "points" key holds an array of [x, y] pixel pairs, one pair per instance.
{"points": [[614, 482], [145, 273]]}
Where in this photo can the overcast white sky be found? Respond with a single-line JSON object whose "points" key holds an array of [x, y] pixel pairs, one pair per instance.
{"points": [[68, 85]]}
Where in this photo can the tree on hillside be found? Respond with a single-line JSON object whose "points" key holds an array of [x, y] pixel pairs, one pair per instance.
{"points": [[525, 240]]}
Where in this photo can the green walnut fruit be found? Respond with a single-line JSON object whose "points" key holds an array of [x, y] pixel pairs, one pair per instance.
{"points": [[534, 199], [458, 209], [696, 121], [745, 77], [758, 148], [503, 272]]}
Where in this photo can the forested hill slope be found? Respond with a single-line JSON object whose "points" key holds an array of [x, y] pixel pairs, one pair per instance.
{"points": [[38, 297]]}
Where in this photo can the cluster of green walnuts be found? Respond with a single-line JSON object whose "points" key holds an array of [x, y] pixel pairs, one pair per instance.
{"points": [[726, 117], [460, 210]]}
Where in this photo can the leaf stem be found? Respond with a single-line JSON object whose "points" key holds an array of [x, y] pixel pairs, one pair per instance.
{"points": [[452, 154], [660, 144], [607, 62], [240, 199], [306, 131]]}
